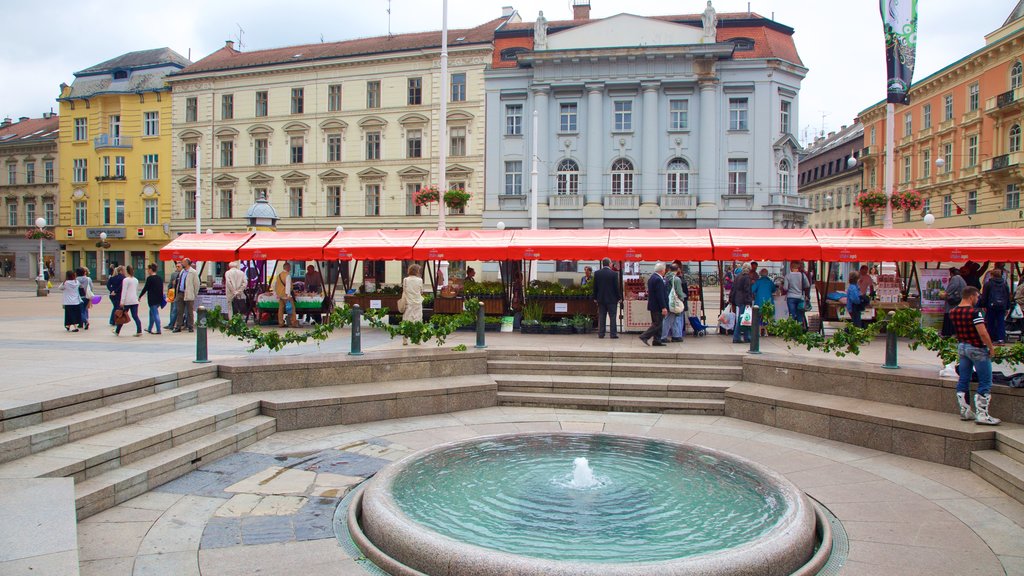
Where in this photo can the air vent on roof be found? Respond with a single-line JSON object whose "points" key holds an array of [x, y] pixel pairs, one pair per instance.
{"points": [[7, 137], [743, 44], [460, 39]]}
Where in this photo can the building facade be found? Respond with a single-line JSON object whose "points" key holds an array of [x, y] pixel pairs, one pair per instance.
{"points": [[958, 142], [830, 178], [649, 122], [28, 152], [116, 177]]}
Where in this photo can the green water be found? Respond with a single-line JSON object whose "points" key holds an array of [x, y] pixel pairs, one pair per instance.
{"points": [[655, 501]]}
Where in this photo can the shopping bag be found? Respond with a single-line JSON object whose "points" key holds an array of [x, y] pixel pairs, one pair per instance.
{"points": [[746, 319], [121, 317], [675, 305], [401, 299], [1016, 313]]}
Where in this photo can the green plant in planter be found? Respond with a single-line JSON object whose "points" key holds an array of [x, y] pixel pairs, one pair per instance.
{"points": [[484, 289], [532, 313]]}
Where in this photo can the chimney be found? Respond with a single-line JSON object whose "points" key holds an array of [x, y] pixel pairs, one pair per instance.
{"points": [[229, 44], [581, 9], [23, 118], [507, 11], [843, 127], [6, 122]]}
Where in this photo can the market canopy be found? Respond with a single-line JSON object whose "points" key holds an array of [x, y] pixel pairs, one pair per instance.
{"points": [[289, 245], [869, 244], [558, 245], [979, 244], [746, 244], [665, 245], [206, 247], [463, 245], [372, 245]]}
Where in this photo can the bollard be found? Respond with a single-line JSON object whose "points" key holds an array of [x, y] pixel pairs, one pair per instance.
{"points": [[480, 344], [755, 330], [890, 347], [357, 332], [201, 351]]}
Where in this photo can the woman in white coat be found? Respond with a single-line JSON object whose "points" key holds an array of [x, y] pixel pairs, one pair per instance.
{"points": [[130, 299], [412, 294], [72, 302]]}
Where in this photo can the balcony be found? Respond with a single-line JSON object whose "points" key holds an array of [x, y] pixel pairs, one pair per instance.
{"points": [[677, 201], [970, 118], [1003, 162], [622, 202], [789, 201], [946, 126], [1006, 103], [108, 141], [565, 202], [512, 201]]}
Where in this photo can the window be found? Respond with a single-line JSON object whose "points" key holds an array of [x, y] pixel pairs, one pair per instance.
{"points": [[784, 179], [295, 201], [737, 113], [926, 116], [30, 214], [262, 103], [623, 115], [678, 177], [106, 166], [458, 142], [298, 100], [373, 94], [568, 177], [872, 135], [190, 154], [947, 206], [1014, 138], [106, 212], [373, 145], [947, 110], [512, 54], [49, 212], [191, 109], [415, 91], [296, 148], [150, 166], [906, 168], [514, 120], [972, 150], [260, 148], [947, 156], [622, 176], [514, 178], [414, 144], [119, 166], [30, 172], [226, 203], [12, 174], [927, 207], [459, 87], [152, 214], [972, 202], [227, 106], [908, 124], [227, 153], [1013, 196], [80, 172], [334, 147], [48, 171], [12, 214], [737, 176], [411, 209], [190, 204], [1016, 72], [81, 214], [678, 114], [373, 199], [785, 114], [334, 200], [973, 97], [926, 164], [119, 212], [567, 117], [334, 98], [81, 129], [151, 124]]}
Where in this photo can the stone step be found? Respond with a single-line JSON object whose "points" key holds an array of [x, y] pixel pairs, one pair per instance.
{"points": [[613, 386], [608, 403], [39, 437], [1001, 471], [634, 369], [121, 484], [1011, 443], [914, 432], [655, 356], [100, 453]]}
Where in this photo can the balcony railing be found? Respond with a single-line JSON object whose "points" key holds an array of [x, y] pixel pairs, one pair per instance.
{"points": [[789, 201], [622, 201], [1007, 99], [677, 201], [108, 141], [565, 202], [1002, 162]]}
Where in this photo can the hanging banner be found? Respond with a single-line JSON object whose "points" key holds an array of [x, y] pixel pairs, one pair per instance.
{"points": [[933, 290], [899, 20]]}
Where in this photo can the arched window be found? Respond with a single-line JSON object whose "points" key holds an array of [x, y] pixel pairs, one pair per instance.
{"points": [[784, 177], [622, 176], [678, 176], [1015, 138], [1016, 75], [568, 177]]}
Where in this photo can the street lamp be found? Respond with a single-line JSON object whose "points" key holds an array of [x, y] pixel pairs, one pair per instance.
{"points": [[500, 226], [851, 162], [929, 219], [939, 163], [40, 278], [103, 256]]}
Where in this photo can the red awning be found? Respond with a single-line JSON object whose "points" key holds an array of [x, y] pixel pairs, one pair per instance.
{"points": [[746, 244], [463, 245], [558, 245], [978, 244], [206, 247], [870, 244], [372, 245], [688, 245], [291, 245]]}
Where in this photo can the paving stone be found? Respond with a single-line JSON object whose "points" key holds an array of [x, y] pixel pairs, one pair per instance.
{"points": [[107, 567], [183, 563], [267, 529], [306, 558], [345, 463], [239, 505], [275, 480], [181, 527], [275, 505], [221, 532]]}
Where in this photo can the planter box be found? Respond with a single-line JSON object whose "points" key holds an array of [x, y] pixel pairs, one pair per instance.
{"points": [[363, 301], [573, 306], [492, 305], [531, 328]]}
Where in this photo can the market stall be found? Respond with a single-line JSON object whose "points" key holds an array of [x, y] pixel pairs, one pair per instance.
{"points": [[484, 245], [555, 301], [203, 248], [365, 245]]}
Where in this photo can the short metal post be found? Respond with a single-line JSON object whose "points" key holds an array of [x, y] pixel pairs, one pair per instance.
{"points": [[890, 346], [755, 330], [357, 332], [480, 344], [201, 351]]}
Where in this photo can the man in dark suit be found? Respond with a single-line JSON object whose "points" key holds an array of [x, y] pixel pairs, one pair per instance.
{"points": [[607, 292], [657, 304]]}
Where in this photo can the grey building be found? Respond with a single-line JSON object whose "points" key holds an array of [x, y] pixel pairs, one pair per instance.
{"points": [[648, 122]]}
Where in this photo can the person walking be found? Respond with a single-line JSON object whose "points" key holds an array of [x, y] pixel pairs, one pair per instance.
{"points": [[854, 300], [974, 351], [153, 290], [995, 299], [235, 282], [85, 283], [314, 285], [114, 282], [72, 302], [607, 292], [764, 292], [796, 285], [412, 295], [129, 302], [954, 290], [185, 291], [670, 327], [172, 282], [657, 305], [741, 297], [283, 291]]}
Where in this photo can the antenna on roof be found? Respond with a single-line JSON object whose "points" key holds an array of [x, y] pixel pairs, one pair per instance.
{"points": [[389, 19], [239, 36], [321, 38]]}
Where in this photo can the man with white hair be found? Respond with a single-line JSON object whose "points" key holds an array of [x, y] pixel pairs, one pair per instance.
{"points": [[234, 288], [657, 304]]}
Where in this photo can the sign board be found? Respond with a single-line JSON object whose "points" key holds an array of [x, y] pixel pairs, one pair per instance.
{"points": [[375, 305], [933, 289], [111, 232], [561, 307]]}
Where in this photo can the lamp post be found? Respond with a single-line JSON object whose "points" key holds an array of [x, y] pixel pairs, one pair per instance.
{"points": [[103, 256], [929, 219], [41, 278]]}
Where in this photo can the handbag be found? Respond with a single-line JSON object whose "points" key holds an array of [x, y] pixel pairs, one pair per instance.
{"points": [[675, 305], [121, 317], [1016, 313], [806, 306], [401, 299]]}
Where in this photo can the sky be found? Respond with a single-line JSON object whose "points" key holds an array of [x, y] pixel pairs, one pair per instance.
{"points": [[839, 41]]}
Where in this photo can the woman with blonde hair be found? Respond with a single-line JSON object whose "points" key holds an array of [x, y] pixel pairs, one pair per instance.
{"points": [[412, 297]]}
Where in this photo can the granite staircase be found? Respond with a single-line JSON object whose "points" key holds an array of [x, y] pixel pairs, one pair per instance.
{"points": [[1003, 467]]}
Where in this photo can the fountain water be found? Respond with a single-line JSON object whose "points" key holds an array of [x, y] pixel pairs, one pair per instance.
{"points": [[582, 474]]}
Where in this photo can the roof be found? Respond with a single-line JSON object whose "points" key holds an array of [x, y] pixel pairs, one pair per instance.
{"points": [[291, 245], [837, 139], [665, 244], [146, 72], [30, 131], [136, 60], [227, 58], [765, 244]]}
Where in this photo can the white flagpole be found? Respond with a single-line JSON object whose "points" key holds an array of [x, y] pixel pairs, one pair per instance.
{"points": [[199, 162], [442, 132]]}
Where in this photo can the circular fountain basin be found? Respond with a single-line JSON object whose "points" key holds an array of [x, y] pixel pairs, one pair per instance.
{"points": [[510, 504]]}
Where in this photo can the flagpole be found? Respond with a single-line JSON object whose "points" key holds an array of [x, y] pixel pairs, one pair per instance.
{"points": [[442, 137]]}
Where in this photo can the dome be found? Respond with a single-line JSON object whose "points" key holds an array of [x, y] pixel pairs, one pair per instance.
{"points": [[261, 210]]}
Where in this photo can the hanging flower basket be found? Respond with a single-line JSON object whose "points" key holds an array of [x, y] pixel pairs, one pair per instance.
{"points": [[428, 195], [871, 201], [909, 200], [456, 198], [39, 234]]}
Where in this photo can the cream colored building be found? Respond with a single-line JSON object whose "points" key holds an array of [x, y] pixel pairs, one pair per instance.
{"points": [[830, 178]]}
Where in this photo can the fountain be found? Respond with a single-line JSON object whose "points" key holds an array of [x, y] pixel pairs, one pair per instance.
{"points": [[628, 506]]}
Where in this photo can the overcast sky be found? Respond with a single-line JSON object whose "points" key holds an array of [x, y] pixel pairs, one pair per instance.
{"points": [[840, 41]]}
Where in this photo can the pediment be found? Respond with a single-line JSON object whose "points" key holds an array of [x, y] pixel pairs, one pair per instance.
{"points": [[187, 181], [260, 129], [625, 30], [458, 170], [294, 176], [372, 122], [188, 135], [226, 132], [413, 172], [259, 178], [333, 174], [296, 127], [224, 179], [413, 118], [787, 140], [333, 124], [372, 174], [459, 116]]}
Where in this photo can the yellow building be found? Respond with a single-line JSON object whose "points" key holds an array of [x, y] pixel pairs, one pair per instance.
{"points": [[115, 127]]}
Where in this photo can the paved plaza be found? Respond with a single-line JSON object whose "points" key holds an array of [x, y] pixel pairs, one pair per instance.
{"points": [[269, 509]]}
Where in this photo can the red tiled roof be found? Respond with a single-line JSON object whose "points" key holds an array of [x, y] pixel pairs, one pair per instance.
{"points": [[670, 18], [768, 43], [228, 58], [15, 133]]}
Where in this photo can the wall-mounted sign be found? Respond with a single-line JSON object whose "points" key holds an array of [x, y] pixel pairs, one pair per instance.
{"points": [[111, 232]]}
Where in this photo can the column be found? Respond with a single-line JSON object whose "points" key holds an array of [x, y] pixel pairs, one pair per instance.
{"points": [[649, 184], [595, 137], [544, 162], [707, 177]]}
